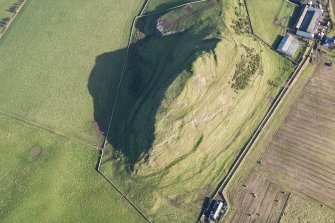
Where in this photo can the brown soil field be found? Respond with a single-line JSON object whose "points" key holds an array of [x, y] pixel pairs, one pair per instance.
{"points": [[295, 153], [262, 200], [303, 150]]}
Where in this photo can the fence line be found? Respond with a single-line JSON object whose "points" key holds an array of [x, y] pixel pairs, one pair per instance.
{"points": [[6, 27], [283, 210], [102, 149], [244, 151], [256, 133], [31, 123], [170, 9]]}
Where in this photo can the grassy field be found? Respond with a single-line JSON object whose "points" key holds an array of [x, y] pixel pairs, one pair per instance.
{"points": [[311, 211], [179, 123], [8, 8], [5, 6], [294, 152], [270, 19], [46, 178], [298, 55], [47, 57], [332, 9]]}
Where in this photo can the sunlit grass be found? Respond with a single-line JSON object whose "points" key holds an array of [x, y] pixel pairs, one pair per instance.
{"points": [[57, 185]]}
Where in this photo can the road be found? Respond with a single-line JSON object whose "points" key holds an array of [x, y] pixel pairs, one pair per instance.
{"points": [[219, 192]]}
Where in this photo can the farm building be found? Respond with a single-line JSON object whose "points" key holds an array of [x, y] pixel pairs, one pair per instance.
{"points": [[308, 22], [288, 45], [329, 42]]}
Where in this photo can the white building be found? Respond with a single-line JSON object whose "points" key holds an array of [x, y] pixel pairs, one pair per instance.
{"points": [[288, 45], [308, 22]]}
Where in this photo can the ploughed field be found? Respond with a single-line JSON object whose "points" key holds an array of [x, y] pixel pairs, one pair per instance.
{"points": [[263, 201], [294, 153], [303, 150]]}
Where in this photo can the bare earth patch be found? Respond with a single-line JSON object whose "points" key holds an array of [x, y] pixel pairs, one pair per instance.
{"points": [[298, 158], [303, 150], [35, 152]]}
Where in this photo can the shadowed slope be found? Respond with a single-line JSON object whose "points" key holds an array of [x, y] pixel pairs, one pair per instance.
{"points": [[153, 63]]}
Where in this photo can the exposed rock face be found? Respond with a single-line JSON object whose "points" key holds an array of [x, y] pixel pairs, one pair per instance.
{"points": [[183, 18], [161, 27]]}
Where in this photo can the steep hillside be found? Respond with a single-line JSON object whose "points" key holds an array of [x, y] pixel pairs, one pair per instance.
{"points": [[188, 103]]}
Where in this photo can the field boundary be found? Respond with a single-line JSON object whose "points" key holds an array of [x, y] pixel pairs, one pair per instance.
{"points": [[140, 15], [101, 147], [260, 39], [45, 129], [263, 123], [274, 105], [105, 142], [118, 190], [9, 23], [285, 205]]}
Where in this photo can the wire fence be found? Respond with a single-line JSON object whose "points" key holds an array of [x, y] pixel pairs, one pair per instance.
{"points": [[11, 19]]}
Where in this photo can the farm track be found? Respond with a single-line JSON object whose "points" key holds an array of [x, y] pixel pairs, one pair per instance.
{"points": [[252, 139], [302, 150], [244, 151], [104, 143], [219, 193]]}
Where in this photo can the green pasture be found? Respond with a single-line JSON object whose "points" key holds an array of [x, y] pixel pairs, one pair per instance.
{"points": [[47, 57], [5, 5], [179, 124], [298, 55], [270, 18], [47, 178]]}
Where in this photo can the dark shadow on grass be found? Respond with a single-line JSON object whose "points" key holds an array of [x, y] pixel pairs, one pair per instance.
{"points": [[153, 64], [277, 41]]}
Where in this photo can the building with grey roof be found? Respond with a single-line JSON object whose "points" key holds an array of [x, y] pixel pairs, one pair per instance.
{"points": [[329, 42], [288, 45], [308, 22]]}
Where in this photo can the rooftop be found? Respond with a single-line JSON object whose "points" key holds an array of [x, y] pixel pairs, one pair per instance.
{"points": [[288, 45], [309, 19]]}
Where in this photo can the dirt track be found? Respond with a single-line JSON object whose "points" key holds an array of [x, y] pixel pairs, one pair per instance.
{"points": [[303, 150]]}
